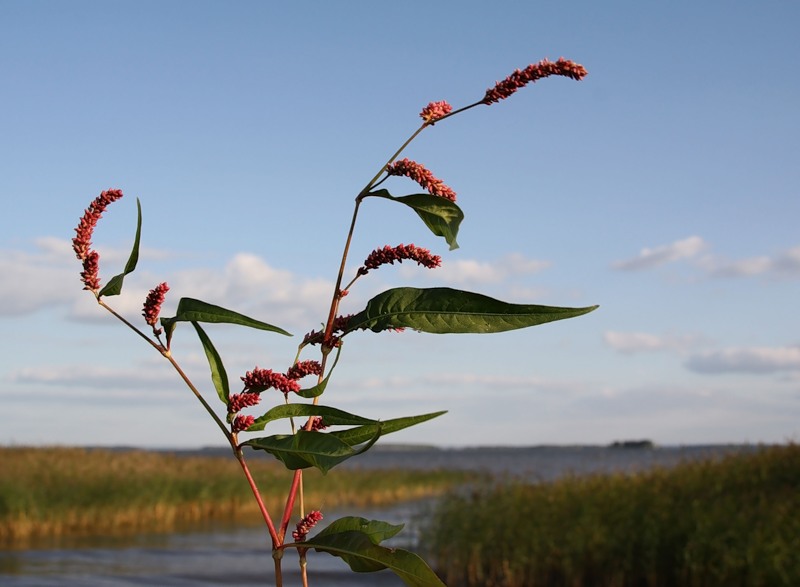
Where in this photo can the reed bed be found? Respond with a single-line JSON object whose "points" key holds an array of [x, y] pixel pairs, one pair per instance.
{"points": [[47, 493], [728, 522]]}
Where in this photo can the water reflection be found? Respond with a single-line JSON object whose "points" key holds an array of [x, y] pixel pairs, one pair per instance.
{"points": [[218, 554]]}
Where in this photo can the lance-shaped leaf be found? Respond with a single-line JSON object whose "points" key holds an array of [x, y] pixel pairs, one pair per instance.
{"points": [[375, 530], [191, 310], [440, 215], [332, 416], [308, 449], [319, 388], [443, 310], [114, 285], [359, 551], [218, 375], [359, 434]]}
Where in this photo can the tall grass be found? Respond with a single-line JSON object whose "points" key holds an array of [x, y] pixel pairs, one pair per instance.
{"points": [[731, 522], [52, 492]]}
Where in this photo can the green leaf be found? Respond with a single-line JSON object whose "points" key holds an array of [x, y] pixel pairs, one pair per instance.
{"points": [[376, 530], [443, 310], [218, 375], [359, 551], [440, 215], [308, 449], [319, 388], [191, 310], [114, 285], [324, 450], [332, 416], [355, 436]]}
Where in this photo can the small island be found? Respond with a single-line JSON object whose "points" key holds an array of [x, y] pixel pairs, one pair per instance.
{"points": [[633, 444]]}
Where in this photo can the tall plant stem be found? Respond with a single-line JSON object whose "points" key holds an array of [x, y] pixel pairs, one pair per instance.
{"points": [[337, 294], [165, 352], [297, 481], [276, 540]]}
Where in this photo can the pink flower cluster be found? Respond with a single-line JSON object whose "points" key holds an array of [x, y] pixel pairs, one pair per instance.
{"points": [[304, 368], [423, 176], [259, 380], [239, 401], [339, 325], [315, 424], [82, 242], [152, 305], [389, 254], [242, 422], [532, 73], [435, 110], [304, 525]]}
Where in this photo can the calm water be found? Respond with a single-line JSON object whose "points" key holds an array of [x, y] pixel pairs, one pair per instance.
{"points": [[222, 555]]}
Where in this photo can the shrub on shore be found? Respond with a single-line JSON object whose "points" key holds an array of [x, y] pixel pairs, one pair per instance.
{"points": [[734, 521]]}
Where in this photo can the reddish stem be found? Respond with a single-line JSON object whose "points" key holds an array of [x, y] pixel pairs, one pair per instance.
{"points": [[276, 540], [290, 498]]}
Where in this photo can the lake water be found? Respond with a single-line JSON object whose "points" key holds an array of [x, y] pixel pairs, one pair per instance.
{"points": [[223, 555]]}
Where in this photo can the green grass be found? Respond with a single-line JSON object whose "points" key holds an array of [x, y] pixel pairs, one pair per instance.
{"points": [[52, 492], [729, 522]]}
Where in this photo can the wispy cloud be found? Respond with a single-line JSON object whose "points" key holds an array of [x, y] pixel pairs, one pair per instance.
{"points": [[639, 342], [47, 277], [784, 264], [756, 360], [649, 258], [470, 271]]}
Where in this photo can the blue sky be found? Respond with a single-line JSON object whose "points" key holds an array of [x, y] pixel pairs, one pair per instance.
{"points": [[663, 187]]}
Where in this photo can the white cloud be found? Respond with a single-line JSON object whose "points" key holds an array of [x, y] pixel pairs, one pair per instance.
{"points": [[460, 380], [637, 342], [648, 258], [48, 277], [35, 280], [757, 360], [783, 264], [95, 377], [464, 271]]}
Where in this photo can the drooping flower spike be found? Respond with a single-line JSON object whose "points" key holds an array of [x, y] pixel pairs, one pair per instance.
{"points": [[82, 241], [423, 176], [304, 368], [259, 380], [532, 73], [83, 237], [389, 255]]}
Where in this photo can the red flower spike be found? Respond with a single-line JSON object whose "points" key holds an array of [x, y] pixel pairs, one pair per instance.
{"points": [[91, 267], [388, 254], [435, 110], [423, 176], [339, 325], [83, 238], [259, 380], [316, 424], [239, 401], [304, 368], [532, 73], [152, 305], [241, 423], [304, 525]]}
